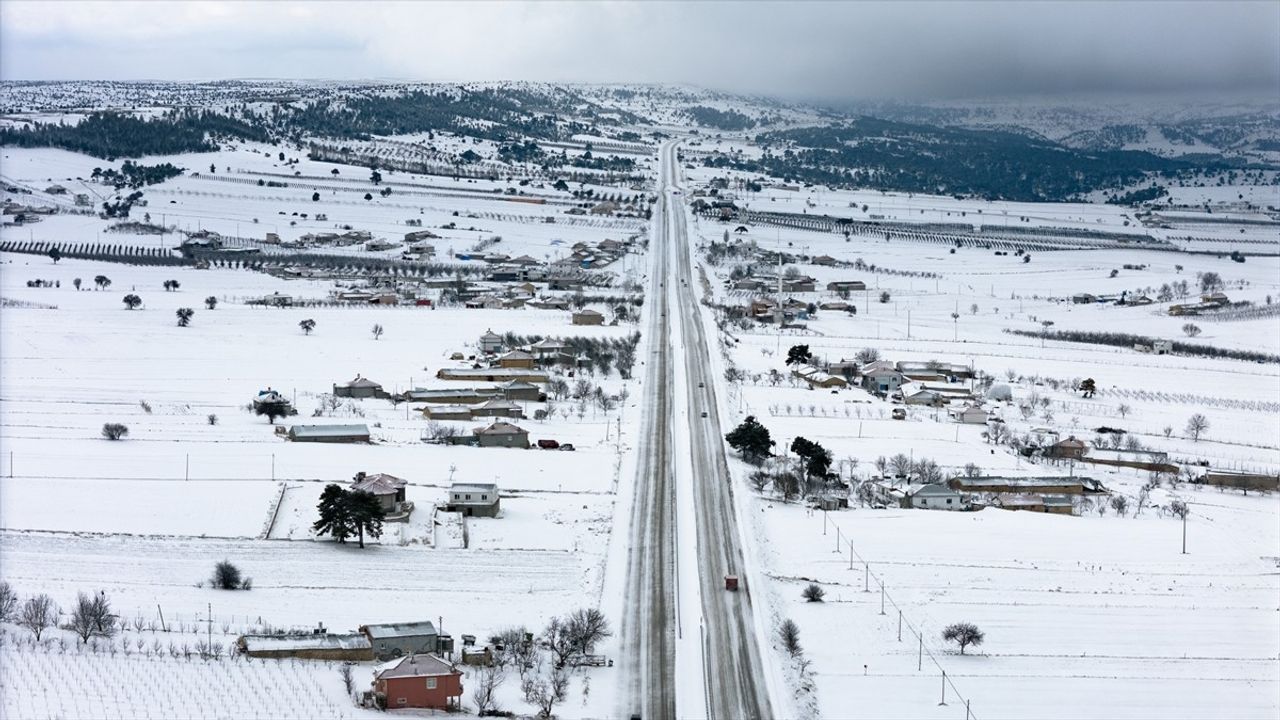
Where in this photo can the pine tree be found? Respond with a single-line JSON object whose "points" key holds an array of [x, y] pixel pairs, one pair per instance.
{"points": [[751, 439], [366, 513], [335, 518]]}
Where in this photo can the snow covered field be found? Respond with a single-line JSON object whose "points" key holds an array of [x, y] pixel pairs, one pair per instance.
{"points": [[1089, 615], [1085, 615]]}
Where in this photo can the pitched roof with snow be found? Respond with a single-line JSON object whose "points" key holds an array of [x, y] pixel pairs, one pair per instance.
{"points": [[501, 428], [422, 665], [395, 630], [329, 430], [379, 484]]}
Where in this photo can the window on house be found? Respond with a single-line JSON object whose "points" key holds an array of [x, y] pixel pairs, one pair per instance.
{"points": [[484, 497], [431, 683], [924, 501], [948, 501], [401, 701], [468, 496]]}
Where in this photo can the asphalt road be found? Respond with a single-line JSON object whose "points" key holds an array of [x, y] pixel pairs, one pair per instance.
{"points": [[649, 625], [733, 672]]}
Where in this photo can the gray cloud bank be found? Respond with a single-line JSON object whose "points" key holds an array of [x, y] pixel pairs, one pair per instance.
{"points": [[817, 50]]}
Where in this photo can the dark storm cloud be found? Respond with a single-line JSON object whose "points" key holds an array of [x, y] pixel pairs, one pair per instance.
{"points": [[829, 50]]}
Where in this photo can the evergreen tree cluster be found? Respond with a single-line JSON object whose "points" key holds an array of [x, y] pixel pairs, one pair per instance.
{"points": [[721, 119], [110, 135], [990, 164], [134, 175]]}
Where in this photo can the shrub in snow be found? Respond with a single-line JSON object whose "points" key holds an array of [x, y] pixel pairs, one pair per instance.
{"points": [[114, 431], [226, 576], [814, 593], [789, 633]]}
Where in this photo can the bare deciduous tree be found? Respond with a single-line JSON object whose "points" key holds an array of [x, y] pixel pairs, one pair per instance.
{"points": [[484, 689], [38, 614], [8, 602], [1197, 424], [348, 679], [964, 634]]}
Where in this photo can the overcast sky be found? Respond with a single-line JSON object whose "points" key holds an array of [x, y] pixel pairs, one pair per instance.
{"points": [[822, 50]]}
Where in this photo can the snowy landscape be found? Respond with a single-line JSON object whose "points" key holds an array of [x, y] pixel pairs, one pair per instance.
{"points": [[641, 400]]}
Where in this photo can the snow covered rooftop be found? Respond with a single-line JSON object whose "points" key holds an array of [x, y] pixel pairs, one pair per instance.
{"points": [[423, 665], [329, 430], [379, 484], [266, 643], [394, 630]]}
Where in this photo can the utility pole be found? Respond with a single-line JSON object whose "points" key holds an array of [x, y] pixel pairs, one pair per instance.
{"points": [[1184, 520]]}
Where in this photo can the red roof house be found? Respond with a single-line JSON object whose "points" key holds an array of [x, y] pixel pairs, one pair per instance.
{"points": [[419, 681]]}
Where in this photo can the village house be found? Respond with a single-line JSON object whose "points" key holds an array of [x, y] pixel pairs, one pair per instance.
{"points": [[474, 499], [360, 387], [501, 434], [497, 408], [548, 346], [936, 496], [1069, 449], [1056, 504], [389, 490], [588, 317], [818, 378], [516, 359], [881, 377], [847, 369], [968, 414], [419, 681], [419, 235], [329, 433], [825, 261], [522, 391], [916, 394], [393, 640]]}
